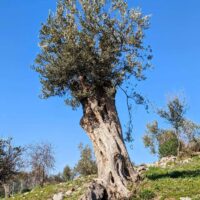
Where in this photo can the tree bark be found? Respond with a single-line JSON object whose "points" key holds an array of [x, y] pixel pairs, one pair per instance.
{"points": [[6, 190], [179, 142], [100, 121], [42, 180], [21, 186]]}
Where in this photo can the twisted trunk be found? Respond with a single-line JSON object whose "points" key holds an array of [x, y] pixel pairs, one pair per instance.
{"points": [[101, 122]]}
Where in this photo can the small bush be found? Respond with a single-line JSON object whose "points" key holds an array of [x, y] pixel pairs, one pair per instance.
{"points": [[146, 194], [169, 147]]}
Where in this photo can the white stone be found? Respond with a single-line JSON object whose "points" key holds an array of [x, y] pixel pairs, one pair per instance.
{"points": [[59, 196], [68, 193]]}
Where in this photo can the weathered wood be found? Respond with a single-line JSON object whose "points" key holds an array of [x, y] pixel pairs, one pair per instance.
{"points": [[100, 121]]}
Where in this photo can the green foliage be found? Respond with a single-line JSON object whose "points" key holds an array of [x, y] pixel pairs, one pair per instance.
{"points": [[79, 187], [174, 114], [86, 165], [1, 192], [91, 45], [174, 181], [67, 173], [183, 133], [10, 160], [151, 137], [168, 147], [164, 140]]}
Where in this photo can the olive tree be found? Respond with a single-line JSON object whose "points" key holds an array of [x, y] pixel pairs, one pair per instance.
{"points": [[90, 49], [174, 114], [161, 141]]}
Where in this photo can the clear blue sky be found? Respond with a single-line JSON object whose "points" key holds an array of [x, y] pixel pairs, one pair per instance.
{"points": [[174, 37]]}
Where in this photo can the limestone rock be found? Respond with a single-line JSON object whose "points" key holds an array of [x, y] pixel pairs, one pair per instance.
{"points": [[59, 196], [141, 169], [68, 193]]}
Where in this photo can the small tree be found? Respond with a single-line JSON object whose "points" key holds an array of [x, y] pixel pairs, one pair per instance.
{"points": [[175, 116], [162, 141], [183, 133], [10, 163], [67, 173], [86, 165], [41, 161]]}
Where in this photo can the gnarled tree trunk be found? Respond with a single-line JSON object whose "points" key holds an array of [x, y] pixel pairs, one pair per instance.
{"points": [[100, 121]]}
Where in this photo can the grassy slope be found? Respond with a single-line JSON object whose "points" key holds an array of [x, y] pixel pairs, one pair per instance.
{"points": [[175, 181], [48, 191], [171, 183]]}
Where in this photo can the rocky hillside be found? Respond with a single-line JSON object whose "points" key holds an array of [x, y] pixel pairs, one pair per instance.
{"points": [[169, 179], [71, 190]]}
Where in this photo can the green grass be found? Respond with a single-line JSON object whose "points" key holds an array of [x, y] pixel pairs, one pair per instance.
{"points": [[47, 192], [170, 183], [175, 181]]}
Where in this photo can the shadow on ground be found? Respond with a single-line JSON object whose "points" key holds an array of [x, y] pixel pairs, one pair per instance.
{"points": [[175, 174]]}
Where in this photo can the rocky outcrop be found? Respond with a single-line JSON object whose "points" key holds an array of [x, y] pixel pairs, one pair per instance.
{"points": [[166, 161]]}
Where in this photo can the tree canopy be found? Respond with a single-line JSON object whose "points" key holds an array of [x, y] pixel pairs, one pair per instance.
{"points": [[87, 45]]}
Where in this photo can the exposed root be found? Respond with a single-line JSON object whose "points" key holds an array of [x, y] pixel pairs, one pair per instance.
{"points": [[99, 190], [96, 191]]}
